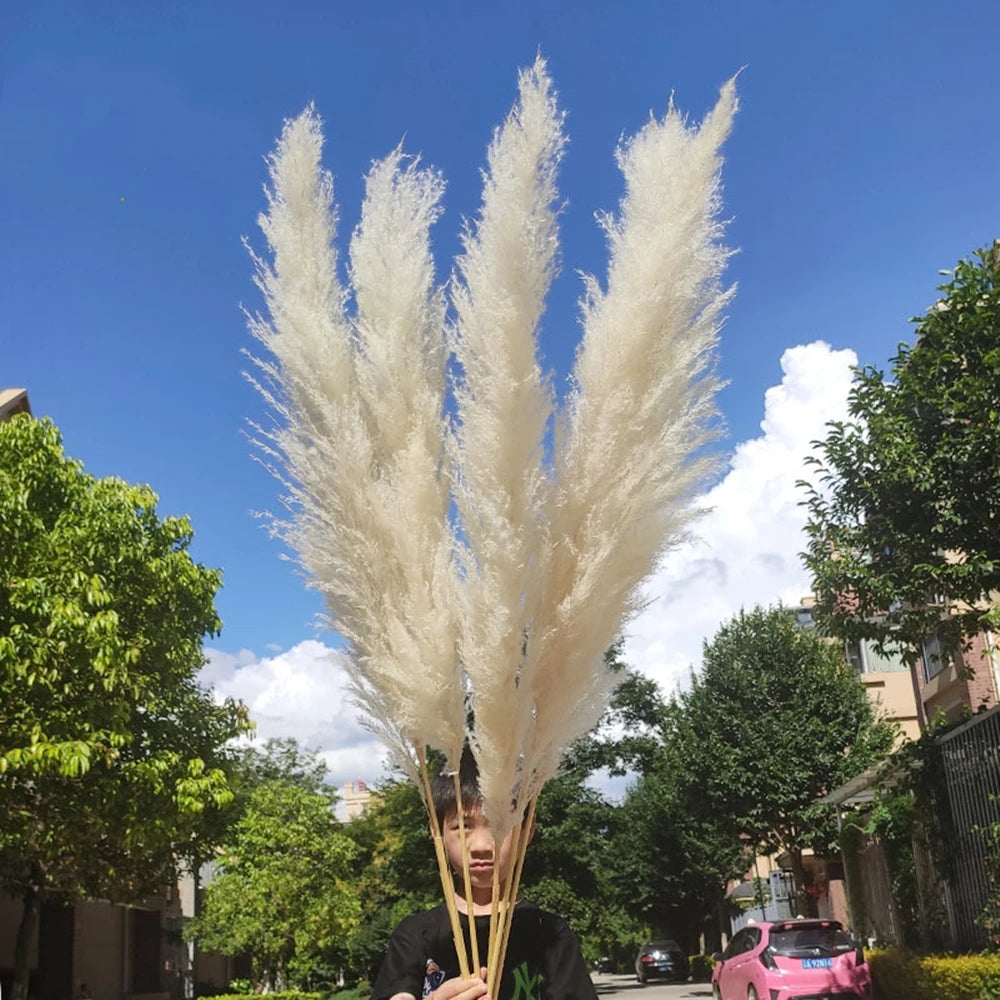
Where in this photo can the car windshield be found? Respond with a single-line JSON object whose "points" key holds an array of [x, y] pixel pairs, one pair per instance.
{"points": [[665, 945], [815, 939]]}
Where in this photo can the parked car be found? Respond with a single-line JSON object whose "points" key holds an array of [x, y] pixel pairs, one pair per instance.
{"points": [[661, 960], [788, 959]]}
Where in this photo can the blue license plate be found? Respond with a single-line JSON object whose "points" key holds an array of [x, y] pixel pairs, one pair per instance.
{"points": [[817, 963]]}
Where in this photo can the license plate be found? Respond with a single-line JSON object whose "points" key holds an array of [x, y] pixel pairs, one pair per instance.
{"points": [[817, 963]]}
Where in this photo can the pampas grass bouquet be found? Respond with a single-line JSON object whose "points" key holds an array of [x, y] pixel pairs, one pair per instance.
{"points": [[479, 544]]}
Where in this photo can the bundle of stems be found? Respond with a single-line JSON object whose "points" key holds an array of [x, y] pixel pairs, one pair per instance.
{"points": [[488, 625]]}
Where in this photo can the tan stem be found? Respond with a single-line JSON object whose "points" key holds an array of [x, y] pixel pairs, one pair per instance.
{"points": [[467, 878], [513, 890], [492, 970], [494, 911], [443, 870]]}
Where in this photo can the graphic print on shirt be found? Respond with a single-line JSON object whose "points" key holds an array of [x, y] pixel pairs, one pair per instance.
{"points": [[525, 983], [433, 977]]}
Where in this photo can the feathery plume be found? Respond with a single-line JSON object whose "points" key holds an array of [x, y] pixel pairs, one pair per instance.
{"points": [[361, 440], [504, 404], [625, 458]]}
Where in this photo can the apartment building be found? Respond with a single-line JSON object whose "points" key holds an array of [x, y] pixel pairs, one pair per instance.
{"points": [[889, 682], [13, 401]]}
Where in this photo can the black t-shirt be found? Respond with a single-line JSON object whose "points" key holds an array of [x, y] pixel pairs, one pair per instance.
{"points": [[543, 957]]}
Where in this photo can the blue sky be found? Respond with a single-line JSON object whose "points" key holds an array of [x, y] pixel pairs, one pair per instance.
{"points": [[865, 157]]}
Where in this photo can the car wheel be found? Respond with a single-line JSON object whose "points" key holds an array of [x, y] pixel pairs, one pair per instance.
{"points": [[752, 993]]}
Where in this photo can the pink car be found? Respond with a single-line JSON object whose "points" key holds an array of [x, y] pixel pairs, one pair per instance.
{"points": [[792, 960]]}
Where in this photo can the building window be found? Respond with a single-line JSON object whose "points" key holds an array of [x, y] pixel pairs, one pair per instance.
{"points": [[804, 619], [933, 658], [855, 657], [866, 659]]}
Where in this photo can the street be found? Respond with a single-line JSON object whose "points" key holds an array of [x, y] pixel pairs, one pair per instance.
{"points": [[627, 988]]}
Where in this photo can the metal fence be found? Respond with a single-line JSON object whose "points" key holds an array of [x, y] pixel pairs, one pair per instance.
{"points": [[779, 903], [971, 758]]}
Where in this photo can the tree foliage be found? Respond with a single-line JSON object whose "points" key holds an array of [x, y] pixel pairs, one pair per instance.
{"points": [[667, 858], [396, 870], [569, 866], [281, 892], [278, 759], [904, 515], [675, 852], [112, 759], [774, 720]]}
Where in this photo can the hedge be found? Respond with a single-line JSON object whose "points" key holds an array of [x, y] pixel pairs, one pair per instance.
{"points": [[278, 995], [360, 991], [900, 975], [701, 967]]}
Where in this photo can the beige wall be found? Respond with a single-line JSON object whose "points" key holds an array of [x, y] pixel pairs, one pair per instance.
{"points": [[100, 950], [355, 796], [13, 401], [213, 969], [832, 904], [893, 693]]}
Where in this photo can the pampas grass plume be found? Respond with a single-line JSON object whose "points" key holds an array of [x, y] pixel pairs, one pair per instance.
{"points": [[507, 606]]}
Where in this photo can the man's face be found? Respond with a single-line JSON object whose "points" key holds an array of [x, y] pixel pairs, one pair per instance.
{"points": [[479, 842]]}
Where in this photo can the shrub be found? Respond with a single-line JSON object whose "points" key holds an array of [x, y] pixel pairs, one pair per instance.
{"points": [[361, 991], [701, 967], [277, 995], [899, 975]]}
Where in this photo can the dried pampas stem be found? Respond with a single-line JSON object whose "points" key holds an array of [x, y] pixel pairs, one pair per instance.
{"points": [[467, 877], [494, 916], [518, 849], [443, 870], [504, 404], [499, 921]]}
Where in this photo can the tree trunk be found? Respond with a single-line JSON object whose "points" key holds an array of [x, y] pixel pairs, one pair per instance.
{"points": [[723, 923], [26, 932]]}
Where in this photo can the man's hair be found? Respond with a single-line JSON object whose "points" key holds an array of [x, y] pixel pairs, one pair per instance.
{"points": [[443, 788]]}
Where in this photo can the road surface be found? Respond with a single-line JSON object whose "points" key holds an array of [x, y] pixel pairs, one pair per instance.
{"points": [[626, 988]]}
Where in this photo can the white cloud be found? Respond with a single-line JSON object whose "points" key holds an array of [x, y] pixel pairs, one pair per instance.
{"points": [[746, 549], [746, 553], [300, 693]]}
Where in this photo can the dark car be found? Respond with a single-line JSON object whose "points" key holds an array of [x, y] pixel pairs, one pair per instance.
{"points": [[661, 960]]}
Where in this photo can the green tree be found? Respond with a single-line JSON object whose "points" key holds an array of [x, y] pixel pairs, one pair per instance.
{"points": [[568, 866], [281, 891], [667, 858], [774, 720], [397, 870], [278, 759], [674, 851], [629, 737], [905, 510], [112, 759]]}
